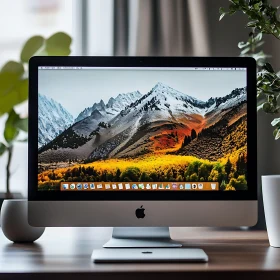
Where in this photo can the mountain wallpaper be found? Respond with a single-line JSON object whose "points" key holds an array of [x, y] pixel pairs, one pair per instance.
{"points": [[162, 135], [53, 119]]}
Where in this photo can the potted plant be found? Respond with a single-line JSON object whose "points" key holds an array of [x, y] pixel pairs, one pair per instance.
{"points": [[263, 18], [14, 90]]}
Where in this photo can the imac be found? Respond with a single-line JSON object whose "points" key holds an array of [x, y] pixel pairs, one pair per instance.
{"points": [[142, 144]]}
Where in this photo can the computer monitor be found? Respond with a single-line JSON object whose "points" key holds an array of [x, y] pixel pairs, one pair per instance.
{"points": [[142, 142]]}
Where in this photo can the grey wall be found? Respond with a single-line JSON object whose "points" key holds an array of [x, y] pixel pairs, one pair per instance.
{"points": [[224, 35]]}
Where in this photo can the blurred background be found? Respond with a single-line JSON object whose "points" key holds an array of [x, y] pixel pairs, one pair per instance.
{"points": [[129, 27]]}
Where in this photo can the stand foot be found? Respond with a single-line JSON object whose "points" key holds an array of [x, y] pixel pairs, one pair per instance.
{"points": [[141, 243], [141, 238]]}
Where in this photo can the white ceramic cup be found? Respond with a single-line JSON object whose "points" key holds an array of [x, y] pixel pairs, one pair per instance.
{"points": [[271, 202], [14, 221]]}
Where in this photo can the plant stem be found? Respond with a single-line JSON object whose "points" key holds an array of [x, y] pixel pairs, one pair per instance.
{"points": [[8, 172]]}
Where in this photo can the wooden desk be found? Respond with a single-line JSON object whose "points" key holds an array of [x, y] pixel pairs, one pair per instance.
{"points": [[64, 253]]}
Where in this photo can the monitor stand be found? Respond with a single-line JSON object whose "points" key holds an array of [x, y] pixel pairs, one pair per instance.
{"points": [[141, 237]]}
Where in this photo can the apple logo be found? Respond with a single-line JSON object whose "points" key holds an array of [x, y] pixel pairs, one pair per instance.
{"points": [[139, 212]]}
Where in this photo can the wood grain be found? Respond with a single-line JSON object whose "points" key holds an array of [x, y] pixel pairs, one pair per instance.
{"points": [[65, 252]]}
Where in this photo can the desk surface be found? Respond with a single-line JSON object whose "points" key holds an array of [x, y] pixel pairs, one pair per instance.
{"points": [[232, 253]]}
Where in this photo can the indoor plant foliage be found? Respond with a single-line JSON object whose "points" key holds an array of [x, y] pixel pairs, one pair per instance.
{"points": [[14, 88], [263, 18]]}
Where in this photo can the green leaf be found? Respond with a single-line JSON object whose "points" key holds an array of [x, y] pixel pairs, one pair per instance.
{"points": [[221, 16], [22, 124], [259, 36], [276, 121], [22, 90], [276, 133], [266, 107], [7, 82], [10, 131], [268, 67], [3, 148], [16, 93], [58, 44], [31, 47], [222, 13], [11, 84], [261, 58], [14, 68], [257, 6], [10, 74], [252, 23], [14, 89], [242, 45], [246, 50], [259, 107], [221, 10], [259, 44], [235, 2]]}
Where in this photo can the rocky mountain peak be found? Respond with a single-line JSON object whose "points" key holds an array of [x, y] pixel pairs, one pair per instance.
{"points": [[53, 119], [113, 106]]}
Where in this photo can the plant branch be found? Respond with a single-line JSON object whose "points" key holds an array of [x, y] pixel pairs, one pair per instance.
{"points": [[8, 172], [263, 18]]}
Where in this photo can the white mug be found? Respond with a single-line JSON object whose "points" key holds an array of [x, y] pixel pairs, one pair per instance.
{"points": [[14, 221], [271, 202]]}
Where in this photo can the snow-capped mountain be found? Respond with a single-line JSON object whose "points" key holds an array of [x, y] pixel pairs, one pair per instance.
{"points": [[146, 125], [166, 103], [113, 107], [116, 105], [236, 96], [164, 90], [87, 111], [134, 124], [176, 100], [53, 119]]}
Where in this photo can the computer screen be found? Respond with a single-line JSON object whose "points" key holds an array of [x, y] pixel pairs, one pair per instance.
{"points": [[142, 129]]}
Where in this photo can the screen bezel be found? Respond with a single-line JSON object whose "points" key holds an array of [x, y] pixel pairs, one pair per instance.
{"points": [[249, 63]]}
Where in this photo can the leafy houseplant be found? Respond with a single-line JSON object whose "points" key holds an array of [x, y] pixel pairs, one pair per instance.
{"points": [[14, 89], [263, 18]]}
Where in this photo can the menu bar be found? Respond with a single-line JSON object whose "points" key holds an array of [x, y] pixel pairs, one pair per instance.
{"points": [[137, 186], [143, 68]]}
